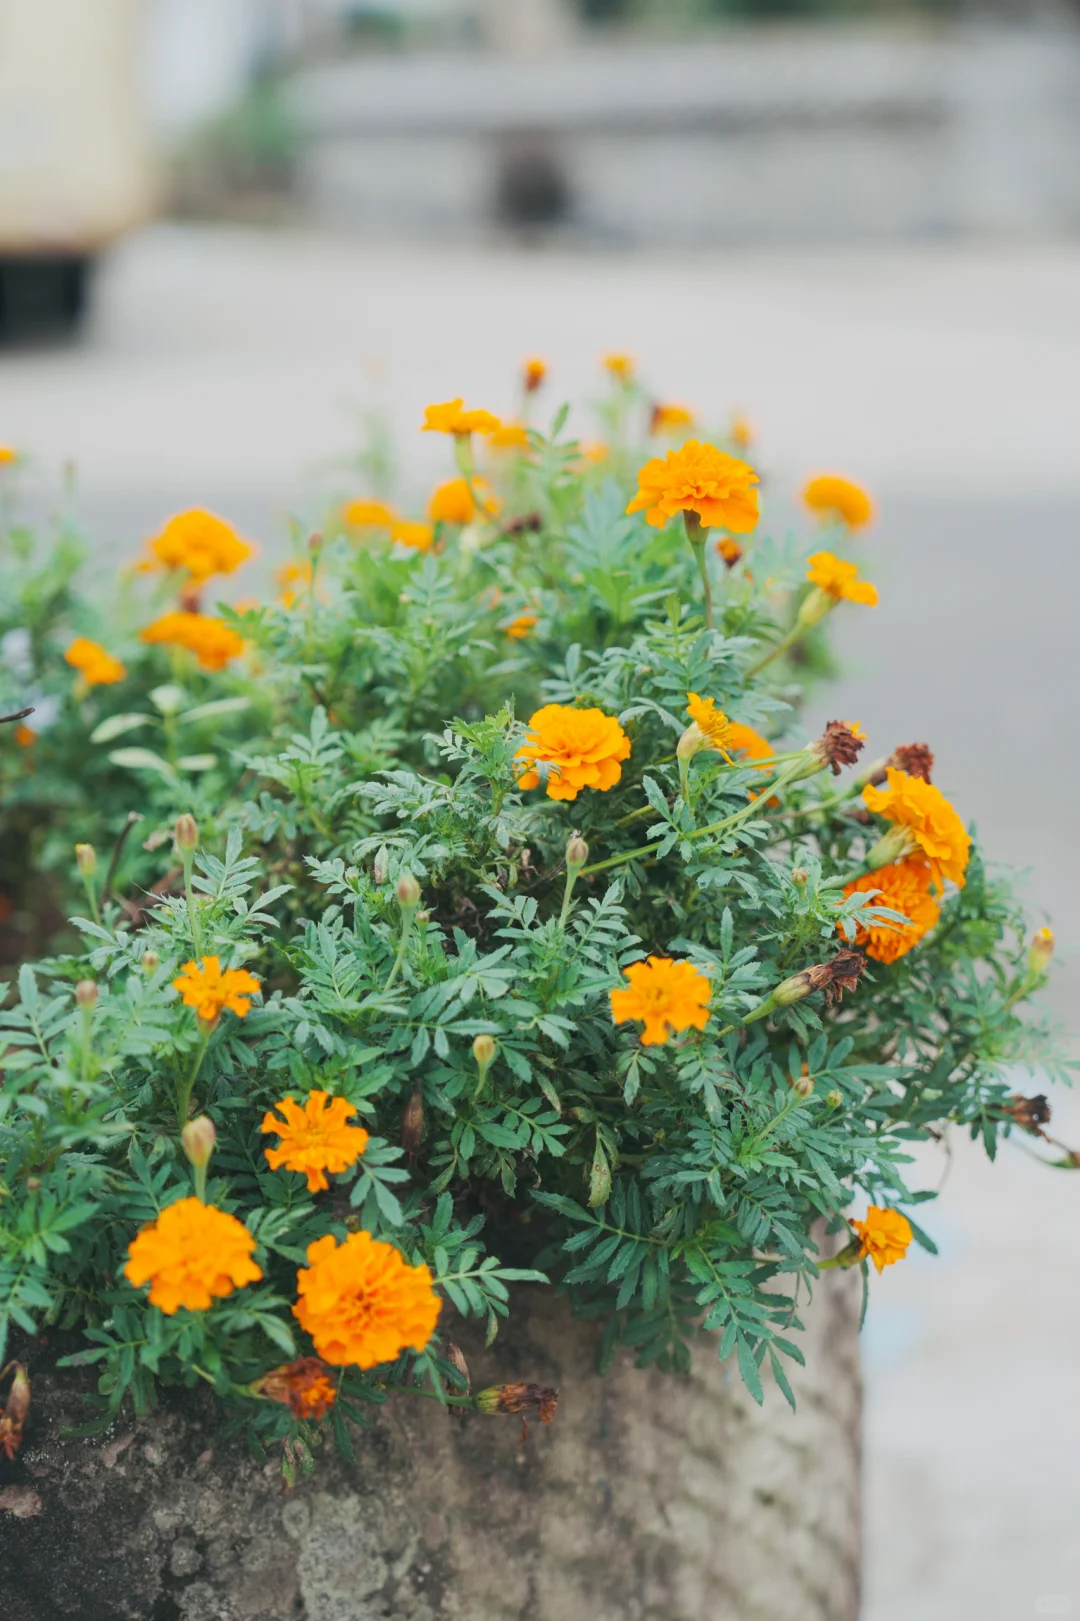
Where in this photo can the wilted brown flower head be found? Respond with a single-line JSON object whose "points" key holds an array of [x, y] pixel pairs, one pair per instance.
{"points": [[306, 1387], [837, 976], [839, 744], [16, 1408], [917, 759], [1030, 1114], [542, 1400], [528, 524], [412, 1122]]}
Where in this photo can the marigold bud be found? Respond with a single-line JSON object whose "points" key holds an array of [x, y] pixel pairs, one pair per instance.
{"points": [[834, 1098], [692, 741], [380, 864], [577, 851], [815, 605], [198, 1138], [412, 1122], [315, 543], [149, 960], [483, 1049], [407, 891], [187, 833], [15, 1411], [799, 876], [803, 1085], [86, 993], [1040, 951], [86, 859]]}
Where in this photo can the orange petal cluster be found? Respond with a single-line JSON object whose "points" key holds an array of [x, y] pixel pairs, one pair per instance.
{"points": [[666, 995], [202, 543], [315, 1137], [365, 514], [839, 499], [509, 436], [931, 823], [710, 721], [669, 416], [618, 365], [212, 641], [209, 989], [582, 748], [454, 502], [452, 417], [522, 626], [884, 1236], [840, 579], [190, 1255], [533, 373], [362, 1303], [698, 478], [97, 668], [417, 536], [744, 740], [905, 887], [303, 1386], [292, 580]]}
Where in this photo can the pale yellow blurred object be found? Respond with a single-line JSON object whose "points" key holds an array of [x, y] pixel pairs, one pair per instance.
{"points": [[75, 165]]}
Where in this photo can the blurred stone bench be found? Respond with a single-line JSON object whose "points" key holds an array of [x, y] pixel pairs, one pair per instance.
{"points": [[776, 136]]}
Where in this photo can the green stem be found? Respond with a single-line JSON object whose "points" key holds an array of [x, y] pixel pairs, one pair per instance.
{"points": [[407, 914], [795, 634], [91, 899], [696, 536], [183, 1098], [188, 858]]}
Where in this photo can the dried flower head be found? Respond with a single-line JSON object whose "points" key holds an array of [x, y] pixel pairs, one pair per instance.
{"points": [[209, 989], [16, 1409], [201, 543], [305, 1387], [533, 373], [543, 1400], [1030, 1114], [97, 668], [453, 418], [668, 996], [835, 977], [730, 550], [905, 887], [928, 821], [582, 748], [884, 1236], [840, 500], [212, 641], [315, 1137], [362, 1303], [840, 744], [192, 1254], [365, 514], [840, 580], [698, 478]]}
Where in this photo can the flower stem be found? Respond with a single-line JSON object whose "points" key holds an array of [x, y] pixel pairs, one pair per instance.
{"points": [[188, 858], [794, 635], [407, 915], [696, 536], [183, 1099]]}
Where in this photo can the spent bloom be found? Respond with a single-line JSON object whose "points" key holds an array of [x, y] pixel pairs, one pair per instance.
{"points": [[303, 1386], [362, 1303], [884, 1236], [202, 543], [453, 418], [730, 550], [417, 536], [924, 821], [840, 500], [840, 580], [209, 989], [698, 478], [905, 887], [97, 668], [192, 1253], [455, 502], [212, 641], [666, 995], [582, 748], [533, 373], [669, 417], [365, 514], [315, 1137]]}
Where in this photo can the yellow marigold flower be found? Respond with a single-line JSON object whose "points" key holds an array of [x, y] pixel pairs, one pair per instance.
{"points": [[744, 740], [581, 747], [905, 887], [304, 1387], [618, 365], [212, 641], [742, 432], [712, 722], [533, 373], [884, 1236], [292, 580], [698, 478], [8, 454], [202, 543], [314, 1138], [838, 498], [667, 995], [362, 1303], [368, 515], [510, 436], [666, 417], [417, 536], [97, 668], [840, 580], [191, 1254], [930, 823], [453, 418], [522, 626], [209, 989], [453, 501]]}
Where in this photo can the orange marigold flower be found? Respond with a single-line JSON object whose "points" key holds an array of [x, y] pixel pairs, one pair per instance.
{"points": [[666, 417], [698, 478], [8, 454], [838, 498], [362, 1303], [711, 721], [744, 740], [304, 1387], [25, 736], [905, 887], [533, 373], [209, 989], [417, 536], [292, 580], [212, 641], [510, 436], [453, 502], [314, 1138], [742, 432], [202, 543], [522, 626], [582, 748], [884, 1236], [929, 823], [840, 580], [190, 1254], [618, 365], [667, 995], [368, 515], [729, 550], [453, 418], [97, 668]]}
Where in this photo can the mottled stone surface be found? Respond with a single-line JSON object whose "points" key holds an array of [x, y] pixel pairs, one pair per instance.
{"points": [[652, 1498]]}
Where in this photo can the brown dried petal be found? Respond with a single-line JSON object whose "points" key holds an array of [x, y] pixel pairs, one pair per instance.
{"points": [[917, 759], [1030, 1114], [838, 745]]}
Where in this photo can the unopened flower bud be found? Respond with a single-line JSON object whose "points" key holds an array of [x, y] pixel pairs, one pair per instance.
{"points": [[423, 917], [799, 876], [407, 891], [1040, 951], [315, 544], [792, 990], [577, 851], [692, 741], [892, 846], [86, 859], [198, 1138], [187, 833], [834, 1098], [412, 1122], [379, 865], [483, 1048], [816, 604], [803, 1085], [86, 993], [149, 961]]}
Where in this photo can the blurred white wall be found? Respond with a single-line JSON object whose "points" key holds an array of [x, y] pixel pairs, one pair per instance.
{"points": [[201, 54]]}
